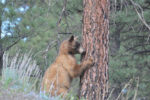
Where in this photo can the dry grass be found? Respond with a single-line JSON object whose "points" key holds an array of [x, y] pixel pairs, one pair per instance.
{"points": [[18, 70]]}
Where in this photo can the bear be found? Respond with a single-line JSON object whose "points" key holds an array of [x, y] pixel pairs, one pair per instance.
{"points": [[58, 77]]}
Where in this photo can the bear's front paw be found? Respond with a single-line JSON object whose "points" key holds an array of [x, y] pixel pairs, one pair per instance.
{"points": [[90, 61]]}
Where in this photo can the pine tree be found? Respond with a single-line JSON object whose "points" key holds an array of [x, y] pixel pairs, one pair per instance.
{"points": [[94, 83]]}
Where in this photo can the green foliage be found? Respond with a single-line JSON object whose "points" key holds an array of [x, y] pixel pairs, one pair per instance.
{"points": [[128, 48], [42, 18], [129, 44]]}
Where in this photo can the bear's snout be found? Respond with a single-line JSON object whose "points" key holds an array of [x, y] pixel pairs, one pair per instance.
{"points": [[81, 50]]}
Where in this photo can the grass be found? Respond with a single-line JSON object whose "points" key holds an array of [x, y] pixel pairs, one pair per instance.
{"points": [[17, 72], [18, 69]]}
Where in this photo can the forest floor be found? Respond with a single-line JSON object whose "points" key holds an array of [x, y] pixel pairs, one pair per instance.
{"points": [[9, 94]]}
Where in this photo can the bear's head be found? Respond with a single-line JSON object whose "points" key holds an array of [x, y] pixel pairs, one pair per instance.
{"points": [[71, 46]]}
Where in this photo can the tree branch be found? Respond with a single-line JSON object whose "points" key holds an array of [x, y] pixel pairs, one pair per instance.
{"points": [[142, 52], [141, 16], [62, 13], [7, 48], [14, 43], [59, 21], [65, 33]]}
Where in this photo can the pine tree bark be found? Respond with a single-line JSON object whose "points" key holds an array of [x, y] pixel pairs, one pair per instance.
{"points": [[94, 82]]}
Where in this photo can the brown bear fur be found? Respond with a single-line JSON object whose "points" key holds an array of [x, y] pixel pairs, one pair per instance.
{"points": [[58, 76]]}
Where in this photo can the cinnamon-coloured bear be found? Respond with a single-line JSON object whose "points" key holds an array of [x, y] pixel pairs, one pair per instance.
{"points": [[57, 78]]}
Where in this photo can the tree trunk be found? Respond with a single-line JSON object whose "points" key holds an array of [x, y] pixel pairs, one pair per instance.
{"points": [[1, 49], [1, 63], [94, 82]]}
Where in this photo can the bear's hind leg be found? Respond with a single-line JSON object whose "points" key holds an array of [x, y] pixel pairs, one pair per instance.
{"points": [[62, 91]]}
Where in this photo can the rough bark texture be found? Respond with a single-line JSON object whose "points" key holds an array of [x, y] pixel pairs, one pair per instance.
{"points": [[94, 82]]}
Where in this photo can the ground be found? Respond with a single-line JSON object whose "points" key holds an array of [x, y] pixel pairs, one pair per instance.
{"points": [[9, 94]]}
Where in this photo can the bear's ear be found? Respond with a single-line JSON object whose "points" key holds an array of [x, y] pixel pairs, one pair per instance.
{"points": [[71, 38]]}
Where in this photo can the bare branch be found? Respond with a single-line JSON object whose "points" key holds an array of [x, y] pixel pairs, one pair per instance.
{"points": [[142, 52], [44, 52], [49, 46], [59, 21], [14, 43], [62, 13], [140, 15], [11, 45], [65, 33]]}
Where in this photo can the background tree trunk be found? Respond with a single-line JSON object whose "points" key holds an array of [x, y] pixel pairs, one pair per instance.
{"points": [[94, 82], [1, 63], [1, 50]]}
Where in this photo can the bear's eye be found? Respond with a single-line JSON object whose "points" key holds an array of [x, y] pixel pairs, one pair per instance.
{"points": [[77, 45]]}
